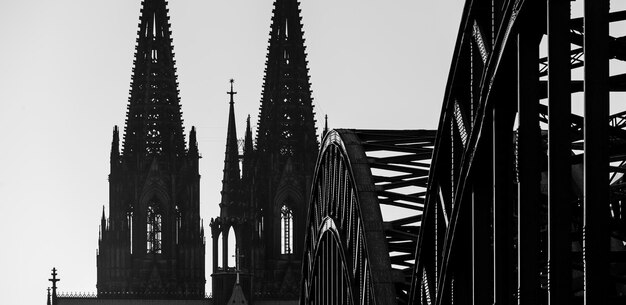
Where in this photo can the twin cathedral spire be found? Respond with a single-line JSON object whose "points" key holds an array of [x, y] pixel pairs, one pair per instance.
{"points": [[154, 124], [152, 245]]}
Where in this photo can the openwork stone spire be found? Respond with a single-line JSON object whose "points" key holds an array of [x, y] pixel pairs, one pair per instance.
{"points": [[153, 122], [286, 112]]}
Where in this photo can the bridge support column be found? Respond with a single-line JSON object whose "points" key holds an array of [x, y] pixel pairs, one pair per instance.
{"points": [[528, 157], [596, 240], [482, 256], [559, 151], [503, 194]]}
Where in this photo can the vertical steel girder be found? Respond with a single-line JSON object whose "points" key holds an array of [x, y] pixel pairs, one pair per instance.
{"points": [[540, 189], [559, 171], [364, 216], [523, 201], [528, 157], [595, 231]]}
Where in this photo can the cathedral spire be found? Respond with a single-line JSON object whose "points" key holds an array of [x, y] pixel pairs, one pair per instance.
{"points": [[286, 121], [154, 188], [153, 121], [231, 160]]}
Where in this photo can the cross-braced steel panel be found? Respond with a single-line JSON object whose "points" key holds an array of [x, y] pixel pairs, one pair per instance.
{"points": [[364, 216], [525, 200]]}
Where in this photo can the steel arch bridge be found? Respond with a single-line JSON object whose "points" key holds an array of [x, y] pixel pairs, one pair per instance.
{"points": [[518, 197], [366, 208]]}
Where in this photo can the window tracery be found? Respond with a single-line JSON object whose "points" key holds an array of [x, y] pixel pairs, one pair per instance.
{"points": [[286, 230], [153, 230]]}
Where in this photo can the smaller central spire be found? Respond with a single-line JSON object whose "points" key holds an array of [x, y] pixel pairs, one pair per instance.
{"points": [[230, 183]]}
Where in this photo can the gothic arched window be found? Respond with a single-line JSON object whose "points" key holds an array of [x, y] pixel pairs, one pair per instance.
{"points": [[153, 229], [129, 222], [286, 230], [178, 223]]}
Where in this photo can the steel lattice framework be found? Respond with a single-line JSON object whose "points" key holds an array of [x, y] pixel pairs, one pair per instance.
{"points": [[523, 200], [366, 208]]}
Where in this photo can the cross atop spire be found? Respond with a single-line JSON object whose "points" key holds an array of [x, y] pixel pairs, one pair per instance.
{"points": [[237, 255], [231, 92], [54, 281]]}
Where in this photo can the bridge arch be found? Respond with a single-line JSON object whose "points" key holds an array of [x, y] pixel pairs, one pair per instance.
{"points": [[364, 215], [521, 188]]}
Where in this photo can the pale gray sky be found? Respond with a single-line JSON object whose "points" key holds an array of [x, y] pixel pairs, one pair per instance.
{"points": [[65, 69]]}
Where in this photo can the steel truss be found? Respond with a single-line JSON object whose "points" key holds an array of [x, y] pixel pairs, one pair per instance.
{"points": [[525, 200], [364, 216]]}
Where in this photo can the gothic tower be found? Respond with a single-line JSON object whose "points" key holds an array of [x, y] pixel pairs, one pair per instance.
{"points": [[152, 243], [268, 201], [286, 150]]}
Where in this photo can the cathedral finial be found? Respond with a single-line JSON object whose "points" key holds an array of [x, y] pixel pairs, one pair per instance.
{"points": [[54, 281], [193, 142], [237, 267], [231, 92], [103, 223], [248, 148], [237, 296], [115, 144], [248, 145], [325, 126], [48, 301]]}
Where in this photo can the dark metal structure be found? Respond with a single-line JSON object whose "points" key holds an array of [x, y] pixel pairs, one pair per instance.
{"points": [[524, 200], [365, 212]]}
